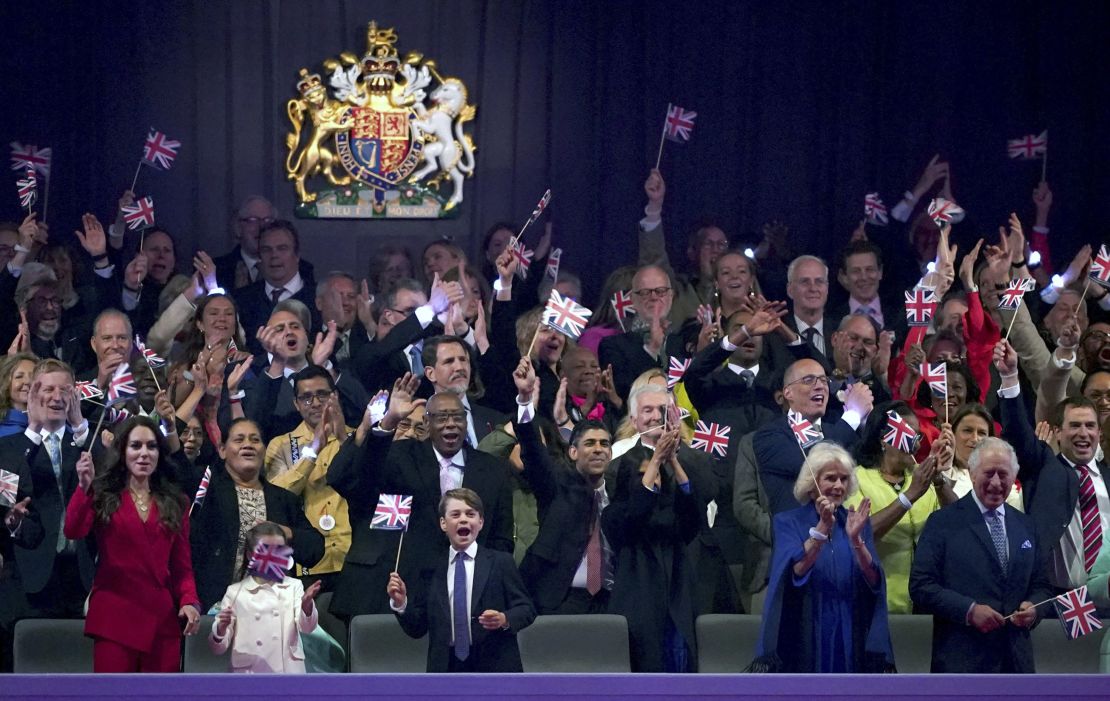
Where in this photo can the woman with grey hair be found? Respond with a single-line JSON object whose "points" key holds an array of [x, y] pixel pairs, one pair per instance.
{"points": [[826, 601]]}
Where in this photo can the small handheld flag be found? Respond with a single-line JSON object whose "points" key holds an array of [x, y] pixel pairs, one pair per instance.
{"points": [[158, 151], [679, 124], [874, 210], [9, 487], [676, 370], [565, 316], [270, 561], [392, 512], [27, 188], [1011, 296], [920, 304], [523, 256], [936, 376], [622, 304], [1077, 613], [1028, 147], [202, 490], [804, 431], [152, 359], [712, 438], [122, 385], [1100, 267], [944, 211], [540, 207], [553, 259], [88, 390], [899, 434], [139, 215], [29, 156]]}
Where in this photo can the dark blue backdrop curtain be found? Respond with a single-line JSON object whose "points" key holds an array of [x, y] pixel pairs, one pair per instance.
{"points": [[802, 108]]}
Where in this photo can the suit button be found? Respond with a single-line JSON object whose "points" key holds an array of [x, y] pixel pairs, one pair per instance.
{"points": [[258, 616], [258, 643], [276, 614]]}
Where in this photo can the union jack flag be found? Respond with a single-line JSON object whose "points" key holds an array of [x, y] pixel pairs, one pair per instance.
{"points": [[921, 302], [152, 359], [874, 209], [1100, 267], [1077, 613], [158, 151], [676, 369], [1011, 296], [523, 257], [553, 258], [712, 438], [9, 487], [202, 490], [565, 315], [26, 187], [1029, 146], [622, 304], [392, 512], [122, 385], [804, 431], [231, 347], [679, 124], [88, 390], [540, 206], [900, 435], [139, 215], [270, 561], [31, 157], [944, 211], [936, 376]]}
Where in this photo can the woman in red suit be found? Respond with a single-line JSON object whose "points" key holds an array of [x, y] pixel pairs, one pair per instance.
{"points": [[144, 580]]}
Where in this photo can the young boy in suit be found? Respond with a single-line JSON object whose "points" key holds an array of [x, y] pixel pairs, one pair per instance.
{"points": [[470, 586]]}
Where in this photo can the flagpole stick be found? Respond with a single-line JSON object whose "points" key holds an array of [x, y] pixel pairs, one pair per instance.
{"points": [[662, 140], [154, 377], [1044, 163], [1083, 298], [136, 178], [528, 353], [1012, 319], [621, 322], [397, 562], [99, 424], [1039, 603]]}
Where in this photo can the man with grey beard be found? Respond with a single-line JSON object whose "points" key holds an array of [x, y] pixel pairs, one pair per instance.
{"points": [[39, 297], [447, 367]]}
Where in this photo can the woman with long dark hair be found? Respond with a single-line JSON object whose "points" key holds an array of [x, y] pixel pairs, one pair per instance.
{"points": [[144, 579]]}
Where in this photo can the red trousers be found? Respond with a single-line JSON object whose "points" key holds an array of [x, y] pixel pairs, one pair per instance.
{"points": [[110, 656]]}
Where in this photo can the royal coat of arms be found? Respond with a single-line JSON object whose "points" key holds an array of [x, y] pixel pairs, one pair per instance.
{"points": [[388, 140]]}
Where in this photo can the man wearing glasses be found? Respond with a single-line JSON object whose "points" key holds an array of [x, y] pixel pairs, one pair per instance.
{"points": [[647, 344], [806, 392], [242, 265], [299, 460]]}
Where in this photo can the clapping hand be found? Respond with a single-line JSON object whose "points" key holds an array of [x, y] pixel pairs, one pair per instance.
{"points": [[308, 601]]}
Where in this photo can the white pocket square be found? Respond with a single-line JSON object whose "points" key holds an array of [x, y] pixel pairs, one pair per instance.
{"points": [[1026, 545]]}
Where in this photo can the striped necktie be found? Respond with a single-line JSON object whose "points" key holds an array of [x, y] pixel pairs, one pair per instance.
{"points": [[1089, 517]]}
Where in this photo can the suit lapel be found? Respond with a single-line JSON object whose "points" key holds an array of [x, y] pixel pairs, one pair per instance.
{"points": [[483, 564]]}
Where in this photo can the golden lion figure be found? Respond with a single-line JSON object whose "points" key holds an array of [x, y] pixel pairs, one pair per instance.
{"points": [[328, 117]]}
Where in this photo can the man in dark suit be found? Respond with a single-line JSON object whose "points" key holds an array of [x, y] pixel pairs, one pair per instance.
{"points": [[807, 284], [279, 249], [448, 367], [981, 587], [860, 274], [242, 266], [55, 574], [568, 569], [642, 349], [48, 337], [338, 300], [215, 528], [475, 585], [269, 394], [1065, 494], [858, 356], [778, 455], [372, 463]]}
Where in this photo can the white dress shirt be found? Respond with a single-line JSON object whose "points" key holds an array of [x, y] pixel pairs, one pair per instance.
{"points": [[291, 288], [458, 464], [819, 338]]}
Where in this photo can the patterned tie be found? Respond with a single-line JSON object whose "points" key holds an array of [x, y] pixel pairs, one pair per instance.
{"points": [[417, 361], [998, 535], [275, 296], [460, 614], [593, 549], [449, 475], [1089, 517], [54, 450], [748, 376]]}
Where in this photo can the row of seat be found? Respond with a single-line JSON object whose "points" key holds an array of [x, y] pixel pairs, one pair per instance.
{"points": [[552, 644]]}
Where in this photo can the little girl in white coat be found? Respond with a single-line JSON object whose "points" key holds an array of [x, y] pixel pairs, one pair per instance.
{"points": [[261, 620]]}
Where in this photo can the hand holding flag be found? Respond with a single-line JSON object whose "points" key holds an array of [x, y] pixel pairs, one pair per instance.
{"points": [[678, 126]]}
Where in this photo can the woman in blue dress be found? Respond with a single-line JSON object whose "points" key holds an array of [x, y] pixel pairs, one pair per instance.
{"points": [[825, 609]]}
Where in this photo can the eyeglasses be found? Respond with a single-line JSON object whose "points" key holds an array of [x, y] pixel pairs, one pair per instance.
{"points": [[419, 428], [308, 397], [403, 312], [652, 292], [256, 221], [442, 418], [810, 380]]}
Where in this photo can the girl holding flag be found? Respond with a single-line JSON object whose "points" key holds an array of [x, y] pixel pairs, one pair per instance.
{"points": [[263, 614]]}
